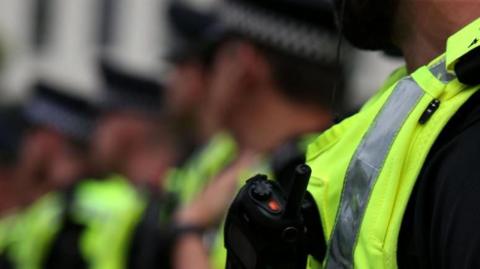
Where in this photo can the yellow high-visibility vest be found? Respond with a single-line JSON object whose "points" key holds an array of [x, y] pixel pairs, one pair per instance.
{"points": [[187, 181], [364, 169], [109, 210]]}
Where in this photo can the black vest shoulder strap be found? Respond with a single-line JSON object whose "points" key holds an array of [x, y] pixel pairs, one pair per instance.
{"points": [[65, 249]]}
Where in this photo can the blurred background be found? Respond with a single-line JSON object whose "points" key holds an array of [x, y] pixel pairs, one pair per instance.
{"points": [[123, 123], [61, 39]]}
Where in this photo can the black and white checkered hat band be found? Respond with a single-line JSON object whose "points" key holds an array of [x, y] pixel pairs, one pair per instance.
{"points": [[288, 34], [43, 112]]}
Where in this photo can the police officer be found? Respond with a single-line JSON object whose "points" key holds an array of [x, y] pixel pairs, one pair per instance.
{"points": [[270, 84], [128, 162], [11, 131], [130, 137], [188, 79], [187, 103], [397, 183], [106, 208], [211, 149], [53, 153], [53, 156], [12, 127]]}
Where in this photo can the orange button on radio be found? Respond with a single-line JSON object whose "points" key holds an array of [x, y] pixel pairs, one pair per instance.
{"points": [[274, 206]]}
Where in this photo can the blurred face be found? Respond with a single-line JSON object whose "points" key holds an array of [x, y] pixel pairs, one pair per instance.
{"points": [[118, 135], [5, 172], [187, 87], [48, 159], [7, 193], [239, 78], [148, 164], [227, 87], [68, 166], [37, 153]]}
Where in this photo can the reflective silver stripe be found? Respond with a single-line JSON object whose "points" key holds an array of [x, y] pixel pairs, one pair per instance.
{"points": [[364, 170], [439, 70], [367, 163]]}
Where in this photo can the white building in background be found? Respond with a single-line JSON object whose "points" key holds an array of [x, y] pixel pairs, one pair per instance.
{"points": [[61, 39]]}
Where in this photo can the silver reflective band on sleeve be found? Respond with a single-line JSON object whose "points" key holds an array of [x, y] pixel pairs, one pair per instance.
{"points": [[366, 164]]}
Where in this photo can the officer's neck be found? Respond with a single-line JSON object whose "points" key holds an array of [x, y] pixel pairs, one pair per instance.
{"points": [[276, 120], [423, 27]]}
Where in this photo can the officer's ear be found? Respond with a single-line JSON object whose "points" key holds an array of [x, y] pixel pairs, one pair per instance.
{"points": [[255, 68], [248, 66]]}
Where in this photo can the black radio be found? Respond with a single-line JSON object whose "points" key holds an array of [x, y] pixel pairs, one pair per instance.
{"points": [[268, 227]]}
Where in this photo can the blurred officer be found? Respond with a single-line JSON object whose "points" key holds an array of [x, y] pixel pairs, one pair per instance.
{"points": [[52, 158], [72, 227], [271, 83], [397, 184], [129, 155], [102, 211], [129, 137], [186, 103], [188, 79], [11, 133], [54, 151]]}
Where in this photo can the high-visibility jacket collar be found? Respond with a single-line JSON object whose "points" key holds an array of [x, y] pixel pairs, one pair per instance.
{"points": [[364, 169]]}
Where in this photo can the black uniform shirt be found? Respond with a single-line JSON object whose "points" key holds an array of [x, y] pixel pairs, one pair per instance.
{"points": [[441, 226]]}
